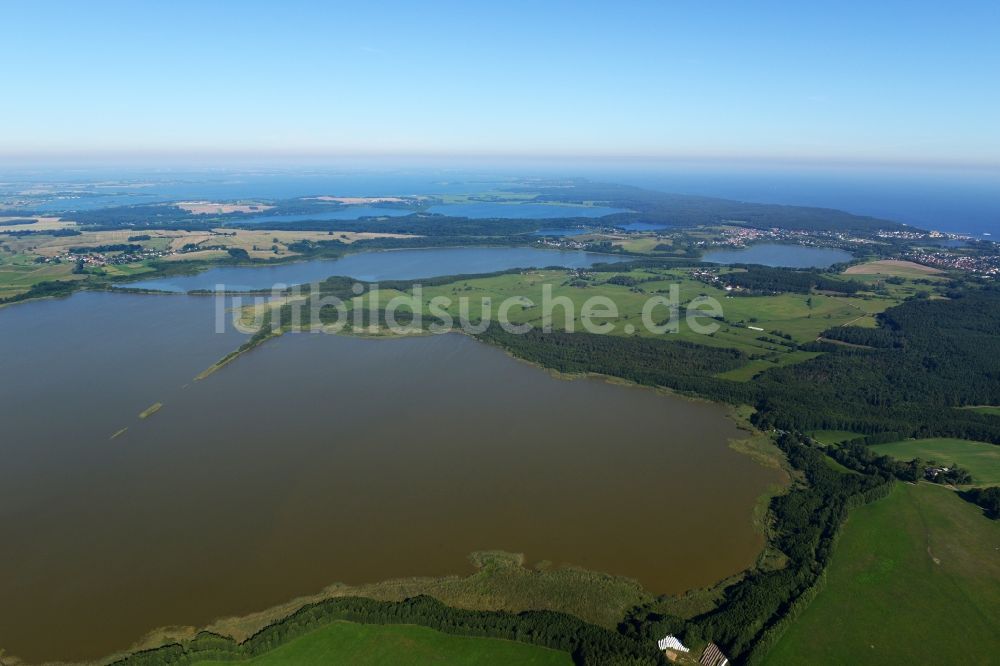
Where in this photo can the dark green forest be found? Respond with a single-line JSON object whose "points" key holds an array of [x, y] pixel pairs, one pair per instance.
{"points": [[767, 280], [931, 357]]}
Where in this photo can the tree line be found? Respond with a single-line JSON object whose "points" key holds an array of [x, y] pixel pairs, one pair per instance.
{"points": [[588, 644], [768, 280]]}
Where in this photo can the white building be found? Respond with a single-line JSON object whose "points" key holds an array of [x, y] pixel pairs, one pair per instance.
{"points": [[670, 642]]}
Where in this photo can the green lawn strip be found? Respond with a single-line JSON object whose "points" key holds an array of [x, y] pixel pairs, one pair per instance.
{"points": [[915, 578], [982, 460], [748, 371], [985, 409], [401, 645], [757, 366]]}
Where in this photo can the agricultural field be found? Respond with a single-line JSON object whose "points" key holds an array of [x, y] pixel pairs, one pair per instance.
{"points": [[401, 645], [768, 328], [27, 260], [8, 224], [800, 315], [259, 243], [982, 460], [268, 244], [915, 578], [19, 272], [214, 208], [893, 268], [896, 278], [640, 244]]}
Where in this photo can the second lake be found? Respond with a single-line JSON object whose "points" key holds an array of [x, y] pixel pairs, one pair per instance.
{"points": [[784, 256], [375, 266]]}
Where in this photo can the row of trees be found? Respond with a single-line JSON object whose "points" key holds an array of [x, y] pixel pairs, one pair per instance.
{"points": [[768, 280], [987, 498], [114, 247], [587, 643], [47, 289], [679, 365]]}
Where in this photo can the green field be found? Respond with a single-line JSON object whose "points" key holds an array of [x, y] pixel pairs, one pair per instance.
{"points": [[986, 409], [981, 459], [801, 316], [894, 268], [915, 578], [757, 366], [401, 645], [18, 274]]}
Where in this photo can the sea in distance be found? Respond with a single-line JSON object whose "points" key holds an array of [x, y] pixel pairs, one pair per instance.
{"points": [[947, 199]]}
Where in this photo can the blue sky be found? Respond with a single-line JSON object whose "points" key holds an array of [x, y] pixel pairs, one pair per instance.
{"points": [[867, 81]]}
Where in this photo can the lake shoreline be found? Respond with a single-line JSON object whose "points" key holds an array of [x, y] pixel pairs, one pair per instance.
{"points": [[776, 255], [121, 284]]}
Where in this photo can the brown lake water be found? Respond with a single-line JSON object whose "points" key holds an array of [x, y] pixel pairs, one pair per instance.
{"points": [[317, 459]]}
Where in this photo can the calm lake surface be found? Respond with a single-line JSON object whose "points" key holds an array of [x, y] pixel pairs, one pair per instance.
{"points": [[374, 266], [774, 254], [528, 211], [347, 213], [317, 459]]}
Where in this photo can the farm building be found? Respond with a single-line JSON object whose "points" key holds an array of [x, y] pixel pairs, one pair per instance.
{"points": [[670, 642], [712, 656]]}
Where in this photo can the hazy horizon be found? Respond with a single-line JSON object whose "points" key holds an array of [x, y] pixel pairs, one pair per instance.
{"points": [[892, 84]]}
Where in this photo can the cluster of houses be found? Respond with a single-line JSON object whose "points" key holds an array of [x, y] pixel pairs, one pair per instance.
{"points": [[711, 277], [983, 265], [99, 259]]}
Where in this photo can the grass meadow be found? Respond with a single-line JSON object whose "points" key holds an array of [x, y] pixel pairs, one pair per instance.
{"points": [[401, 645], [915, 578], [980, 459]]}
